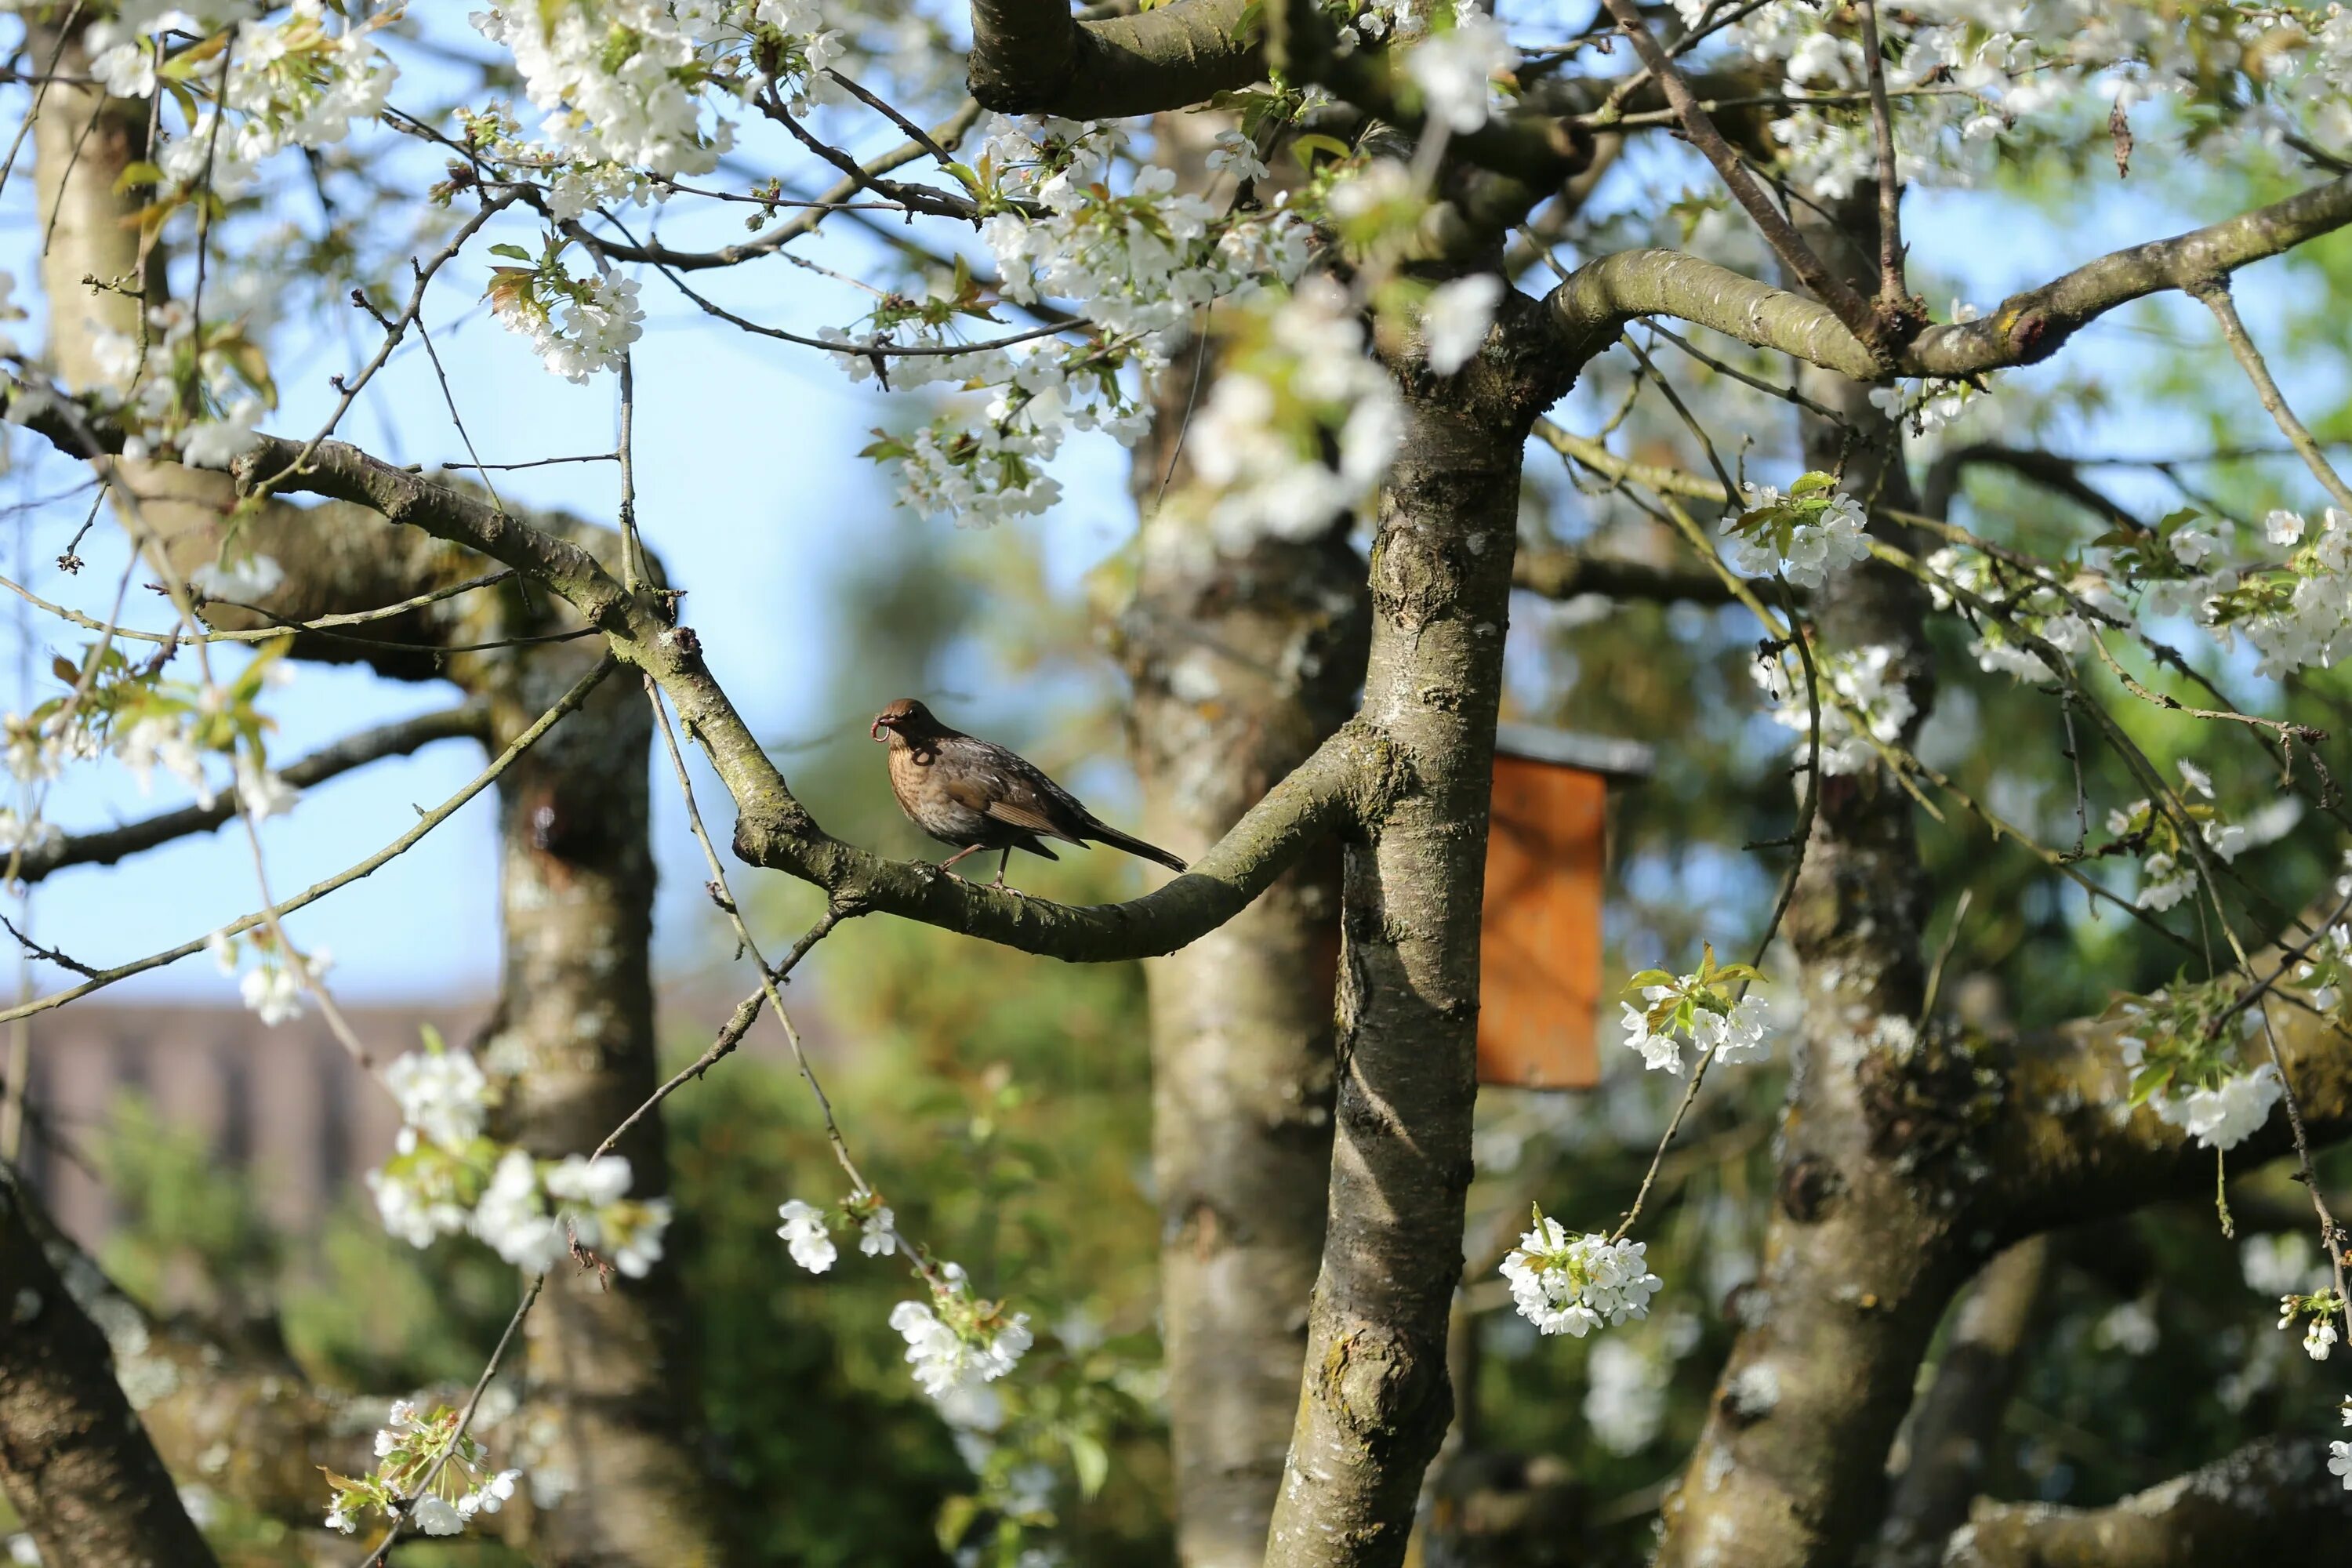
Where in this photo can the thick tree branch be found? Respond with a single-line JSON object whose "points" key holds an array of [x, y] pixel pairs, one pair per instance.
{"points": [[467, 721], [2271, 1501], [1557, 572], [1346, 779], [1953, 1428], [78, 1465], [1597, 301], [1033, 56]]}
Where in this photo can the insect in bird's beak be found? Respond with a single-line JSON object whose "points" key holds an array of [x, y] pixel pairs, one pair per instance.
{"points": [[873, 731]]}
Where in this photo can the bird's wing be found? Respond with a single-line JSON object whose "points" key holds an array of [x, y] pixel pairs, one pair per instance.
{"points": [[1004, 785]]}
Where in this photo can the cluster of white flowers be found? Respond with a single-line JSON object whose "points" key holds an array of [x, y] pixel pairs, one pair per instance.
{"points": [[273, 988], [1808, 533], [1259, 442], [2317, 1310], [807, 1231], [152, 404], [1699, 1008], [1863, 701], [1138, 263], [956, 1341], [407, 1448], [2028, 68], [2063, 615], [533, 1212], [447, 1178], [623, 82], [293, 81], [576, 326], [2168, 868], [1454, 68], [2219, 1115], [2298, 614], [1572, 1285], [1625, 1394]]}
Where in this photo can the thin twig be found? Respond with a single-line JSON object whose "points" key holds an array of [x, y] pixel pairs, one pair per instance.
{"points": [[2215, 296], [1893, 295], [373, 863]]}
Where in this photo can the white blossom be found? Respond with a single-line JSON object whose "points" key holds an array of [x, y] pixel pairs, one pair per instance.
{"points": [[877, 1238], [435, 1515], [2340, 1458], [2319, 1338], [805, 1236], [946, 1360], [444, 1095], [2227, 1114], [1452, 69], [264, 794], [1456, 318], [1565, 1286]]}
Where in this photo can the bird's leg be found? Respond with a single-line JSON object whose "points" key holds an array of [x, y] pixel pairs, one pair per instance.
{"points": [[967, 849], [1002, 862]]}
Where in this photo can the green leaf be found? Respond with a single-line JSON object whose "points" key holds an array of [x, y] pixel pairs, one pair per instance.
{"points": [[1814, 484], [516, 251], [1304, 147], [1089, 1458], [1649, 977]]}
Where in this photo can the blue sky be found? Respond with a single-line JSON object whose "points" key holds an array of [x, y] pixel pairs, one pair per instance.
{"points": [[748, 489]]}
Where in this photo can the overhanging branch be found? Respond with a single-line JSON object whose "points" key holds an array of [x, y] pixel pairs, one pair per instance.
{"points": [[1598, 300]]}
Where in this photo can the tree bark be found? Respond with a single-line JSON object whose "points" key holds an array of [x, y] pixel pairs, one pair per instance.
{"points": [[2271, 1501], [1376, 1399], [79, 1468], [1859, 1256], [1958, 1420], [1243, 662]]}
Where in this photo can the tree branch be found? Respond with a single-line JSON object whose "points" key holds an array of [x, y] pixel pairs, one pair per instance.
{"points": [[1558, 572], [1795, 253], [1593, 306], [1033, 56], [467, 721], [2272, 1501], [79, 1467]]}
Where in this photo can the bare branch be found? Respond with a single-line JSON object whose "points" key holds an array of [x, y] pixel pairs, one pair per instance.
{"points": [[2272, 1501], [2215, 296], [1593, 306], [467, 721]]}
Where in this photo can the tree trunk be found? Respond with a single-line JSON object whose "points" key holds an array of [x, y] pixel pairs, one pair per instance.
{"points": [[1243, 664], [78, 1466], [1376, 1399], [1860, 1255]]}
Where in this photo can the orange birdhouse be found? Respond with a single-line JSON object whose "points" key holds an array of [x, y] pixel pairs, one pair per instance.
{"points": [[1539, 992]]}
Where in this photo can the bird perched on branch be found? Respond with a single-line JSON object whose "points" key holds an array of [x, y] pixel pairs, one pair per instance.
{"points": [[975, 794]]}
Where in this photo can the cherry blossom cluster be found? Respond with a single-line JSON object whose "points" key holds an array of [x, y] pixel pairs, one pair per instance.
{"points": [[1573, 1285], [427, 1471], [446, 1177], [956, 1341], [1863, 701], [2169, 864], [184, 387], [2317, 1311], [577, 326], [2182, 1045], [2298, 612], [273, 988], [1700, 1008], [2063, 613], [1138, 263], [807, 1230], [298, 80], [1806, 534]]}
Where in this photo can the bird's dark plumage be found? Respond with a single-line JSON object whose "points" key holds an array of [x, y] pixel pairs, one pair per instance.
{"points": [[976, 794]]}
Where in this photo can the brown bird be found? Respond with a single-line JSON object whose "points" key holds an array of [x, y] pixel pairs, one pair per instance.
{"points": [[976, 794]]}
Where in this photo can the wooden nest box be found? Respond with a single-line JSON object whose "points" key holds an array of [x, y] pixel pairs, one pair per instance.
{"points": [[1540, 987]]}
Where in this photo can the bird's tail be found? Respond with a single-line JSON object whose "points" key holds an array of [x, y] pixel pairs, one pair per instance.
{"points": [[1133, 845]]}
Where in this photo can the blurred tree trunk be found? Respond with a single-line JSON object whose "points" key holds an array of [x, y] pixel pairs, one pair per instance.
{"points": [[1242, 661], [1859, 1255], [609, 1433]]}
